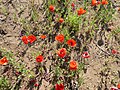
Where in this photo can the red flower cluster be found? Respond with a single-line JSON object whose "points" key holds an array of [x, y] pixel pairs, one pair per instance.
{"points": [[59, 87], [116, 88], [39, 58], [70, 42], [3, 61], [62, 52], [28, 39], [94, 2]]}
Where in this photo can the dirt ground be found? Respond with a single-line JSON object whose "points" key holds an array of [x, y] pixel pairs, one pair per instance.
{"points": [[103, 71]]}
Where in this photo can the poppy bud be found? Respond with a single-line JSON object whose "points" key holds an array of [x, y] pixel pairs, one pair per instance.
{"points": [[73, 5], [51, 8], [61, 20]]}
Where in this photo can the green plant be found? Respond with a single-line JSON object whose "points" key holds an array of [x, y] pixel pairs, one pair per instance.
{"points": [[4, 84]]}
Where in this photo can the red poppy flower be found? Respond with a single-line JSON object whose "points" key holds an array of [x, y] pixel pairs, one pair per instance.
{"points": [[73, 5], [94, 2], [104, 2], [25, 39], [31, 38], [3, 61], [43, 36], [59, 87], [98, 2], [36, 84], [39, 58], [71, 42], [62, 52], [51, 8], [113, 88], [73, 65], [85, 55], [114, 51], [61, 20], [81, 11], [118, 86], [60, 38]]}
